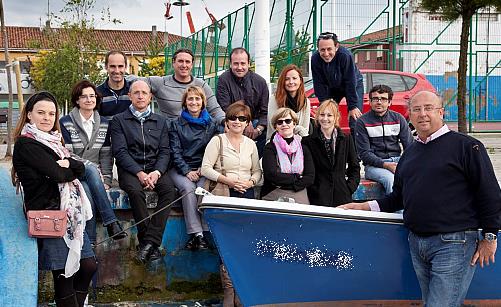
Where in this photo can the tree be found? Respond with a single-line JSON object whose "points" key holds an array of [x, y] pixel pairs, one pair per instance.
{"points": [[154, 62], [72, 52], [452, 10]]}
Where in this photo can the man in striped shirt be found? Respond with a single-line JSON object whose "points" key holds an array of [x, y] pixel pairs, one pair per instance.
{"points": [[378, 135]]}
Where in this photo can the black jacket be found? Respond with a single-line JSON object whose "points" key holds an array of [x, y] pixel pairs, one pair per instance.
{"points": [[140, 146], [188, 142], [39, 173], [334, 183], [274, 178], [252, 88]]}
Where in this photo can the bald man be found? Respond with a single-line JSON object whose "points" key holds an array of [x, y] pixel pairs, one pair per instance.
{"points": [[447, 187], [140, 145]]}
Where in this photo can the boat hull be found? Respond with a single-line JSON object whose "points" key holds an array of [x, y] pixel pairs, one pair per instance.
{"points": [[280, 253]]}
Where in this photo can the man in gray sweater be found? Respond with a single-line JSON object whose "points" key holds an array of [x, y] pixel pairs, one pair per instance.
{"points": [[168, 90]]}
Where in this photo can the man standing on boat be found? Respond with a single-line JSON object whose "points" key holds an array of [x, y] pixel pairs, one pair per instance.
{"points": [[447, 187], [336, 76]]}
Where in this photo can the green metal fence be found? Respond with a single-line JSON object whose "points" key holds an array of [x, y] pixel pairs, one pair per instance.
{"points": [[363, 26]]}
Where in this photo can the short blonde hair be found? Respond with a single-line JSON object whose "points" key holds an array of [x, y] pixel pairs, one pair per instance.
{"points": [[281, 113], [330, 105], [195, 90]]}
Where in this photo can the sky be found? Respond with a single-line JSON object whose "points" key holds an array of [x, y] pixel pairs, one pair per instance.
{"points": [[133, 14]]}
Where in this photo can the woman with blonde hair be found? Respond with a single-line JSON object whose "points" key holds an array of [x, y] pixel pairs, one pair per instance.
{"points": [[337, 170], [50, 182], [290, 94], [288, 166], [188, 137]]}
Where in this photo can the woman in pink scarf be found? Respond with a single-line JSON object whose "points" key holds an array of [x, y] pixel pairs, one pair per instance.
{"points": [[49, 180], [287, 165]]}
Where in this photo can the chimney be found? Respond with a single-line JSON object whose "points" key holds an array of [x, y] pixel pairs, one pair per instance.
{"points": [[154, 32]]}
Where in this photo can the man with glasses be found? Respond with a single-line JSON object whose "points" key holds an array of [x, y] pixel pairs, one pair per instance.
{"points": [[378, 135], [447, 187], [336, 76]]}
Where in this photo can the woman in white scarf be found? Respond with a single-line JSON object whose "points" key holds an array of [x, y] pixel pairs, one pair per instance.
{"points": [[49, 179]]}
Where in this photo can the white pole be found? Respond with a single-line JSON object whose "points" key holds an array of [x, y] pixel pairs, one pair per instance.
{"points": [[262, 39]]}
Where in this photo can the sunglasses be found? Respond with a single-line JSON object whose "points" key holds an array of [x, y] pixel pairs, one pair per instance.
{"points": [[240, 118], [327, 35], [280, 122]]}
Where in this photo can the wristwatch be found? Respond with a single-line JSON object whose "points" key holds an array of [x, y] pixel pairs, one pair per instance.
{"points": [[490, 237]]}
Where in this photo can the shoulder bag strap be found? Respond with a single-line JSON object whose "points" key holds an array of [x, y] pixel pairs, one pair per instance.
{"points": [[223, 172]]}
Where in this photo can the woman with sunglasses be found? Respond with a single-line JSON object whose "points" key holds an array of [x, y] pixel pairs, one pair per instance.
{"points": [[337, 170], [188, 137], [290, 94], [241, 166], [240, 157], [288, 166], [86, 135], [48, 175]]}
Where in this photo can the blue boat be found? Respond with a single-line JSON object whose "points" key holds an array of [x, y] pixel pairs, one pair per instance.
{"points": [[301, 255]]}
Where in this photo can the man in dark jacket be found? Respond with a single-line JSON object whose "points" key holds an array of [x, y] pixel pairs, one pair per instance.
{"points": [[240, 84], [378, 135], [140, 145], [114, 90], [447, 187], [336, 76]]}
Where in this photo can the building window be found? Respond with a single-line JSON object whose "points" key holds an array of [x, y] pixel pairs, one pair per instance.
{"points": [[367, 56], [379, 53], [356, 58]]}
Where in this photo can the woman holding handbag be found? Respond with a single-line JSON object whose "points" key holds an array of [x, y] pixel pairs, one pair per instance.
{"points": [[241, 170], [288, 166], [50, 182], [231, 159], [188, 137], [337, 170]]}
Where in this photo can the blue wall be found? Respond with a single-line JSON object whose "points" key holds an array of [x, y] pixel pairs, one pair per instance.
{"points": [[447, 86]]}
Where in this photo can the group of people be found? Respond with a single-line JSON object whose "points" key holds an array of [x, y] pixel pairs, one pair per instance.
{"points": [[198, 136]]}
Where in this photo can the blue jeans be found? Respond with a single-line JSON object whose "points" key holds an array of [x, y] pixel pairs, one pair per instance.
{"points": [[248, 194], [382, 175], [442, 265], [94, 188]]}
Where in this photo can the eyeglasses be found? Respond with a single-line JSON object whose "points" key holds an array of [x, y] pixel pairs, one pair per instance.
{"points": [[426, 108], [85, 97], [377, 99], [240, 118], [280, 122]]}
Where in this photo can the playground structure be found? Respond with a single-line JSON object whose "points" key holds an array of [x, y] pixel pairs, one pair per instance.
{"points": [[387, 34]]}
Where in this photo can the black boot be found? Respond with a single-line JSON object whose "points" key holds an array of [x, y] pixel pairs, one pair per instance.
{"points": [[81, 296], [68, 301], [144, 252], [115, 230]]}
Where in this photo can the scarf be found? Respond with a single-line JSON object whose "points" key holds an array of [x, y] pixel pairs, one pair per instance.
{"points": [[73, 200], [141, 116], [290, 156], [329, 144], [291, 102], [203, 119]]}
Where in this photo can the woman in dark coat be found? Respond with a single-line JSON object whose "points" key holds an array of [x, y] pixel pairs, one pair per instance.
{"points": [[337, 170], [50, 183]]}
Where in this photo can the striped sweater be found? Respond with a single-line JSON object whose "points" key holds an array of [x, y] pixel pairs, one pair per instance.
{"points": [[379, 137], [96, 150]]}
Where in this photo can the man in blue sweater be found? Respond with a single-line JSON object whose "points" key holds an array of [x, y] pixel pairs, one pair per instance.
{"points": [[378, 135], [447, 187], [336, 76], [115, 89]]}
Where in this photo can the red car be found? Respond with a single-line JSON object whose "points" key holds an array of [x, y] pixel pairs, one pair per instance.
{"points": [[403, 84]]}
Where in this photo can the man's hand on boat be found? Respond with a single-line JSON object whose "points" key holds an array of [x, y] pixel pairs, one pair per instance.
{"points": [[356, 206], [484, 253]]}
